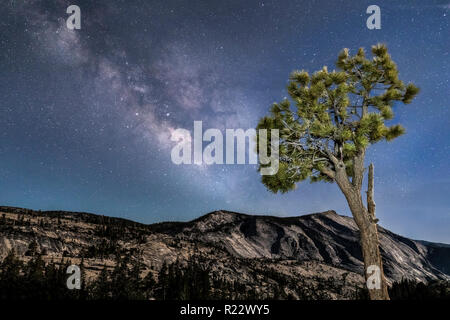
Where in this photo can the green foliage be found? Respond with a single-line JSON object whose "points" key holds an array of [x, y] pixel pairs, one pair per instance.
{"points": [[188, 280], [35, 280], [335, 115], [41, 280], [180, 281], [412, 290]]}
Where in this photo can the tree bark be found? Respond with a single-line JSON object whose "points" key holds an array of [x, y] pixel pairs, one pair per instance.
{"points": [[367, 225], [370, 200]]}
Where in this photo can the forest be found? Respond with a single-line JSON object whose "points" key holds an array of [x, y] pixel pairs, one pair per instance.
{"points": [[39, 280]]}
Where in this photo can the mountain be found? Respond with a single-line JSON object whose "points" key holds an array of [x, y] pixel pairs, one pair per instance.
{"points": [[313, 256]]}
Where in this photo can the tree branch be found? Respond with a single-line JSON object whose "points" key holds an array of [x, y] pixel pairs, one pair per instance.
{"points": [[329, 172]]}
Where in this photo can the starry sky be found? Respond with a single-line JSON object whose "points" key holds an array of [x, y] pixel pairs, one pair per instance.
{"points": [[86, 115]]}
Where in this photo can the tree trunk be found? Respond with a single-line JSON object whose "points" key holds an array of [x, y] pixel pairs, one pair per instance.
{"points": [[367, 225], [372, 257]]}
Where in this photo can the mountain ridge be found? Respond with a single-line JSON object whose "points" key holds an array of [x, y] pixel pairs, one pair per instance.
{"points": [[238, 247]]}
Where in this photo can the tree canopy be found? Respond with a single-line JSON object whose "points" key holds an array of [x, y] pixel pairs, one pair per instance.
{"points": [[332, 117]]}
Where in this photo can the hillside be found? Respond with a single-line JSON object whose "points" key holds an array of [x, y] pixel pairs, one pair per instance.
{"points": [[311, 256]]}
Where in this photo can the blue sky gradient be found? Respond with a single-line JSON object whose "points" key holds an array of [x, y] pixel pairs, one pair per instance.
{"points": [[86, 115]]}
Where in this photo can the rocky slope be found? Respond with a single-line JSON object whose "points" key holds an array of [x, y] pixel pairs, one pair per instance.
{"points": [[316, 255]]}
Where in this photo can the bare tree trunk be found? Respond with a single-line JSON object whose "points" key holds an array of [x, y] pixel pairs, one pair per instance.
{"points": [[367, 225], [370, 200], [375, 280]]}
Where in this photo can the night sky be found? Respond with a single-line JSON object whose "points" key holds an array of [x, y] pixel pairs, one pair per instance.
{"points": [[86, 115]]}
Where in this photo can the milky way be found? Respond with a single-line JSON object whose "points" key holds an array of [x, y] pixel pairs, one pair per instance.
{"points": [[86, 115]]}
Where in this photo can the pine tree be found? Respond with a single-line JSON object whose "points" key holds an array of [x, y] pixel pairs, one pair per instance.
{"points": [[101, 287], [10, 284], [337, 116], [148, 285]]}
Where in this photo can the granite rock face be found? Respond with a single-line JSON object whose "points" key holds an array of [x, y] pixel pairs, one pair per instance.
{"points": [[324, 237], [256, 251]]}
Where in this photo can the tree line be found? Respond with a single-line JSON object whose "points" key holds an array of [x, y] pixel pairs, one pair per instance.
{"points": [[130, 280]]}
